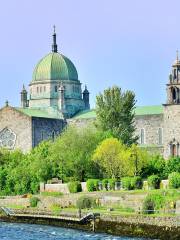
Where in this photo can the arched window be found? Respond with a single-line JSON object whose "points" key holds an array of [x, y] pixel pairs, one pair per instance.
{"points": [[142, 136], [174, 94], [44, 88], [160, 136], [40, 89], [37, 89]]}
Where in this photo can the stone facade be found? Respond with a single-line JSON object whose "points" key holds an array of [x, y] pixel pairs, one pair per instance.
{"points": [[45, 128], [19, 124]]}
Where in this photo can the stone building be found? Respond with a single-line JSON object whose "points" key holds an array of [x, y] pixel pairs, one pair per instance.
{"points": [[158, 127], [55, 99], [54, 95]]}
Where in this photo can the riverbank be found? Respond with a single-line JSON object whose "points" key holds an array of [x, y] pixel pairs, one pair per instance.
{"points": [[154, 227]]}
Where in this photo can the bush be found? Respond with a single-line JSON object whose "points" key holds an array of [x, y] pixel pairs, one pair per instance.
{"points": [[74, 187], [112, 183], [34, 201], [105, 184], [92, 185], [174, 180], [153, 202], [85, 202], [153, 182], [136, 182], [130, 183], [126, 183]]}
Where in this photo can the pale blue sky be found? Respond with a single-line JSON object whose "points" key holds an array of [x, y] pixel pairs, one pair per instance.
{"points": [[129, 43]]}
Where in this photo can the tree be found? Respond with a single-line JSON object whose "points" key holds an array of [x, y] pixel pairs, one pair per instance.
{"points": [[137, 160], [115, 113], [111, 156], [72, 152]]}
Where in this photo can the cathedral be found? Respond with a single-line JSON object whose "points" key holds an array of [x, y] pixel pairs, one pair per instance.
{"points": [[55, 99]]}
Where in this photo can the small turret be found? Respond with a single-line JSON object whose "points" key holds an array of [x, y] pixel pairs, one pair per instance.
{"points": [[24, 101], [61, 102], [86, 98]]}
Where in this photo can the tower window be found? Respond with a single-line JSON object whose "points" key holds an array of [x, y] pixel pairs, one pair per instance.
{"points": [[37, 89], [142, 136], [40, 89], [55, 88], [160, 136], [44, 88]]}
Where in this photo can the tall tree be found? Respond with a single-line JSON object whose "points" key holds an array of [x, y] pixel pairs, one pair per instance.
{"points": [[115, 113]]}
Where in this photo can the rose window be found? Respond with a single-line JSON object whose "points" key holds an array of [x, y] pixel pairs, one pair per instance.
{"points": [[7, 138]]}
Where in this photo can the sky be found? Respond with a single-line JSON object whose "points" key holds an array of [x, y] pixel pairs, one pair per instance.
{"points": [[128, 43]]}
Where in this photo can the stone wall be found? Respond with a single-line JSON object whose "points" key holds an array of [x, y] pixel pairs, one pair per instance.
{"points": [[151, 125], [171, 129], [14, 201], [44, 128], [18, 123]]}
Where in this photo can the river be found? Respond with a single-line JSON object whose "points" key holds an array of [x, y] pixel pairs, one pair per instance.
{"points": [[14, 231]]}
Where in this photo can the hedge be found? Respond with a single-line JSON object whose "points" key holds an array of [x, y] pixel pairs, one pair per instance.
{"points": [[153, 182], [74, 187], [174, 180]]}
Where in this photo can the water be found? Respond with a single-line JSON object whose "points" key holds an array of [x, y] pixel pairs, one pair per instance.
{"points": [[14, 231]]}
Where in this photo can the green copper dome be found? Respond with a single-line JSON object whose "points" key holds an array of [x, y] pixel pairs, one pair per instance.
{"points": [[55, 66]]}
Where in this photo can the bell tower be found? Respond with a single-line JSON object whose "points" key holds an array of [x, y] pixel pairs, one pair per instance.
{"points": [[171, 130], [173, 87]]}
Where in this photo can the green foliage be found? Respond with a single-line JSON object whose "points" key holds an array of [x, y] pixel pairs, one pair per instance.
{"points": [[153, 181], [126, 183], [34, 201], [111, 156], [173, 165], [137, 159], [136, 182], [92, 185], [85, 202], [155, 166], [131, 183], [105, 183], [115, 113], [74, 187], [52, 194], [174, 180], [153, 202], [112, 183]]}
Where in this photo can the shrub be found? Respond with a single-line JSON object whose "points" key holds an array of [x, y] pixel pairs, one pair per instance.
{"points": [[34, 201], [105, 184], [112, 183], [85, 202], [92, 185], [153, 202], [126, 183], [136, 182], [174, 180], [153, 182], [74, 187]]}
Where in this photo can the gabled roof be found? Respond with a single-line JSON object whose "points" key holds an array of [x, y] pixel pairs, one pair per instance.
{"points": [[139, 111], [33, 112]]}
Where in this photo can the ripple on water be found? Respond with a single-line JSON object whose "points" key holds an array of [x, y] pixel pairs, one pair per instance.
{"points": [[14, 231]]}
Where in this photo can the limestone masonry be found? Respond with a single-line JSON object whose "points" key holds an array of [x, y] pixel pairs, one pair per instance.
{"points": [[55, 99]]}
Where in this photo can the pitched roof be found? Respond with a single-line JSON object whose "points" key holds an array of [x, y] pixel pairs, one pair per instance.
{"points": [[139, 111], [33, 112]]}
